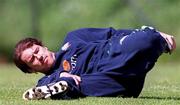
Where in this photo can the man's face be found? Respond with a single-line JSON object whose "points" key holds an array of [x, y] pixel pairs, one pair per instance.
{"points": [[38, 58]]}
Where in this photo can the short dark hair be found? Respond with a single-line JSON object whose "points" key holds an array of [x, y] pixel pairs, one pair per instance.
{"points": [[19, 48]]}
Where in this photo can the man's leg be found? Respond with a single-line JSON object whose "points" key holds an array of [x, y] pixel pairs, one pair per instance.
{"points": [[137, 51], [132, 56]]}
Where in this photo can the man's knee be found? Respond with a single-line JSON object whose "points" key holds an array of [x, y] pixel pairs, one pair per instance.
{"points": [[145, 40], [157, 42]]}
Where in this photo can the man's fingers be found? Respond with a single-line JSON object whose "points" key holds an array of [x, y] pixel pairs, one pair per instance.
{"points": [[77, 79], [172, 42]]}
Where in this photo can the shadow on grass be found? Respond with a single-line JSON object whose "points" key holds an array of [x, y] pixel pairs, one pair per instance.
{"points": [[160, 98]]}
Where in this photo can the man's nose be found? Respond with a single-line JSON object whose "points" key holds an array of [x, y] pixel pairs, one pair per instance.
{"points": [[38, 56]]}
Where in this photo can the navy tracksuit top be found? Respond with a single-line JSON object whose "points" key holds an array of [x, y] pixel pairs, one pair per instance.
{"points": [[110, 62]]}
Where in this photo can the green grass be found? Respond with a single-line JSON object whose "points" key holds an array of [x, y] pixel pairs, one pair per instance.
{"points": [[162, 87]]}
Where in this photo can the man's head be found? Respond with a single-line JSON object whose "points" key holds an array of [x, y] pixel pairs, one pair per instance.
{"points": [[31, 56]]}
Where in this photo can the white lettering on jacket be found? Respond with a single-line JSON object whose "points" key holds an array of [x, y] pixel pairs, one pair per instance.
{"points": [[73, 61]]}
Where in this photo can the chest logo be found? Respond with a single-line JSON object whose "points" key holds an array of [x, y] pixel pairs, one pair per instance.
{"points": [[66, 65], [65, 46]]}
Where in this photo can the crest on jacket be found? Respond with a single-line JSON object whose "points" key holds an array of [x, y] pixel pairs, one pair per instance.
{"points": [[65, 46], [66, 65]]}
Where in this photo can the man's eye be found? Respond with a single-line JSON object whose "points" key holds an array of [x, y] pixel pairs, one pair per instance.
{"points": [[36, 50]]}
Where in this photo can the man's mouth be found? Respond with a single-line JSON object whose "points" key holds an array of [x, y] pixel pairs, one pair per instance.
{"points": [[45, 59]]}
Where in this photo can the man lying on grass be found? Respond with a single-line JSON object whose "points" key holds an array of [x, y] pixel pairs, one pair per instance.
{"points": [[93, 62]]}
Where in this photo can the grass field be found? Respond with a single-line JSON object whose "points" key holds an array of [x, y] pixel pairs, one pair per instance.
{"points": [[162, 87]]}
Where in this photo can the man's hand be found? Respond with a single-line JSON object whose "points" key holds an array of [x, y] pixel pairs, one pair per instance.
{"points": [[170, 40], [76, 78]]}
